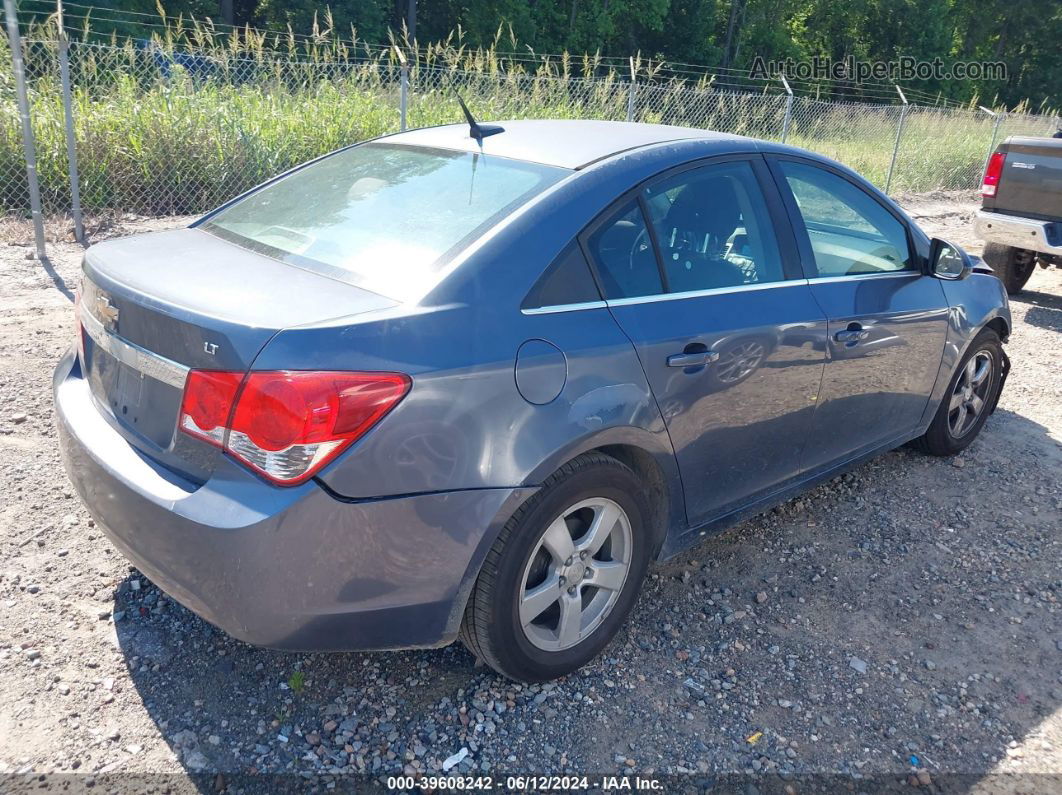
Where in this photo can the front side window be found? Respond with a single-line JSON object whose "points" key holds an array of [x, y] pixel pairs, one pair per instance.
{"points": [[714, 229], [851, 233], [385, 217]]}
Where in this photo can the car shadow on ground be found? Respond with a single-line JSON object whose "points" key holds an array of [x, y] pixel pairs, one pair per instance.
{"points": [[1045, 310], [892, 634]]}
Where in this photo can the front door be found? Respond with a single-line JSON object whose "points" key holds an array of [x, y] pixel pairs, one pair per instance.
{"points": [[887, 319], [726, 329]]}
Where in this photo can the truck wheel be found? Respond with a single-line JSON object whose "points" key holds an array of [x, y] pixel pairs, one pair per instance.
{"points": [[969, 400], [563, 574], [1012, 265]]}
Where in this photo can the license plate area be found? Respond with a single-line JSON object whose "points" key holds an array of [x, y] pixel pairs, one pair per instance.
{"points": [[127, 391], [134, 398]]}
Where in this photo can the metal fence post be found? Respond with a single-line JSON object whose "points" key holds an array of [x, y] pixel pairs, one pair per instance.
{"points": [[633, 89], [28, 146], [896, 144], [788, 108], [71, 143], [403, 90], [995, 132]]}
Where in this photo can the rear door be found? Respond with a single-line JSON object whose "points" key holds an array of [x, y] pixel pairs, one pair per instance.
{"points": [[887, 320], [699, 269]]}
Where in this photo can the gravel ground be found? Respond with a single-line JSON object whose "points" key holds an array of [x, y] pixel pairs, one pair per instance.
{"points": [[902, 619]]}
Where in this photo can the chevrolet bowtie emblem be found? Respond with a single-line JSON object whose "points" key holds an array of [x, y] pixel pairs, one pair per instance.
{"points": [[107, 312]]}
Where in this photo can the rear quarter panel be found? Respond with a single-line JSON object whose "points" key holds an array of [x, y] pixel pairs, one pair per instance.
{"points": [[464, 424]]}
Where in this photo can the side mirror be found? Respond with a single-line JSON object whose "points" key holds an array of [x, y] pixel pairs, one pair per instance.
{"points": [[948, 261]]}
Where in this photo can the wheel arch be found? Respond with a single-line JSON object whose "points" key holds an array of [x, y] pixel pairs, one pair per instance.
{"points": [[999, 325], [956, 348], [658, 491], [651, 457], [976, 303], [648, 453], [640, 450], [996, 322]]}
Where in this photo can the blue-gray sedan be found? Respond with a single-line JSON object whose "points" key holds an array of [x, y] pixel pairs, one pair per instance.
{"points": [[468, 383]]}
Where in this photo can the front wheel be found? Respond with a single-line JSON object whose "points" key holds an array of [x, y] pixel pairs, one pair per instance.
{"points": [[563, 574], [1013, 266], [970, 398]]}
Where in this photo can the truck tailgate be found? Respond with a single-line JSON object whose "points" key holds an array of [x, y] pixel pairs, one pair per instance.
{"points": [[1031, 182]]}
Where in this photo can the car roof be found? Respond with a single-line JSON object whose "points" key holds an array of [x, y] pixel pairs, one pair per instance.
{"points": [[568, 143]]}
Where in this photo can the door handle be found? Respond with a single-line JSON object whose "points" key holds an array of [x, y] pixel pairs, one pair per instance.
{"points": [[852, 335], [696, 359]]}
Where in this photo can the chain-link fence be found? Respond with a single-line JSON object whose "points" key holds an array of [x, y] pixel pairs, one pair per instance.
{"points": [[14, 188], [160, 131]]}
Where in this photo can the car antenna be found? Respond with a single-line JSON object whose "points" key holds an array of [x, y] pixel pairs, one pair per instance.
{"points": [[475, 129]]}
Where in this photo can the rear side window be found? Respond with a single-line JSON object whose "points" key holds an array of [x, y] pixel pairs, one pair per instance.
{"points": [[851, 233], [623, 251], [566, 281], [385, 217]]}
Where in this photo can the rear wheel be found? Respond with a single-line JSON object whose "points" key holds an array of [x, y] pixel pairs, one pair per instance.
{"points": [[1012, 265], [969, 399], [563, 574]]}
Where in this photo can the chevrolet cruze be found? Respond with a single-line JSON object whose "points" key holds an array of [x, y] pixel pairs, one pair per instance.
{"points": [[468, 381]]}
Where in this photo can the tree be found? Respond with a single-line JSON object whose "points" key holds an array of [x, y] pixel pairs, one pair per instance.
{"points": [[367, 17], [1024, 34]]}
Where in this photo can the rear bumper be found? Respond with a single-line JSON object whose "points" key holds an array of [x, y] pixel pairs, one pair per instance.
{"points": [[288, 568], [1044, 237]]}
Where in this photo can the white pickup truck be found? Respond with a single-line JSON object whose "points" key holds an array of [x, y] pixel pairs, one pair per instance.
{"points": [[1021, 209]]}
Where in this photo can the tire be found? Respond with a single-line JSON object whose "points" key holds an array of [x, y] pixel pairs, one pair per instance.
{"points": [[520, 563], [950, 433], [1013, 266]]}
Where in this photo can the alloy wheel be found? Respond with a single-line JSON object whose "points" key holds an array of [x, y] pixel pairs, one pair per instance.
{"points": [[970, 395], [575, 574]]}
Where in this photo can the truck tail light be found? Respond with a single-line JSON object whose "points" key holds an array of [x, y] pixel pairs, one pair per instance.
{"points": [[992, 173], [287, 424]]}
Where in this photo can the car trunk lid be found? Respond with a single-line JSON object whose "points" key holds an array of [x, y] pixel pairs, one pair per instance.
{"points": [[154, 306]]}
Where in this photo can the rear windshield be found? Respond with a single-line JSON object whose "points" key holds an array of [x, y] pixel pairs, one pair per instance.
{"points": [[385, 217]]}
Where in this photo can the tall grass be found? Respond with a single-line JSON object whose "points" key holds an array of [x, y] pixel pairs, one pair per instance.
{"points": [[184, 122]]}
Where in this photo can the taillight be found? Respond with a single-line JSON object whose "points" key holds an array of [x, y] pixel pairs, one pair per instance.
{"points": [[992, 173], [287, 424], [207, 404]]}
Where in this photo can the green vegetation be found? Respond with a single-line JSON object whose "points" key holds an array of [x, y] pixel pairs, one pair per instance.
{"points": [[719, 34], [297, 682], [160, 135]]}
